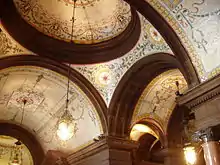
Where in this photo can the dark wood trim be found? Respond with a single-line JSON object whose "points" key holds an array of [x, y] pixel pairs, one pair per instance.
{"points": [[62, 69], [132, 85], [26, 137], [170, 37], [63, 51]]}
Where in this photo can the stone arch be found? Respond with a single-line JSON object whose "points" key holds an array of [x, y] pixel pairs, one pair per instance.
{"points": [[132, 85], [25, 70], [62, 69], [26, 137]]}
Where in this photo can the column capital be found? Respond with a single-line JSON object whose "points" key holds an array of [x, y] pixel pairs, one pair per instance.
{"points": [[208, 134]]}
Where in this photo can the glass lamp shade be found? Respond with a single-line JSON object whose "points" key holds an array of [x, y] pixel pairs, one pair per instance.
{"points": [[190, 155], [65, 130]]}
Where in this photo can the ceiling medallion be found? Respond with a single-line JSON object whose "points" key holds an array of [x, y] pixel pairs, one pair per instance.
{"points": [[154, 34], [80, 3], [103, 77]]}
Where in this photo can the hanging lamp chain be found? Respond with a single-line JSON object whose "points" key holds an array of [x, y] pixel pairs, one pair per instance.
{"points": [[73, 20], [68, 86]]}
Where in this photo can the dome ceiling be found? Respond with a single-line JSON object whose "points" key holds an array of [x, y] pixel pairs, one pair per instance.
{"points": [[94, 20], [45, 92]]}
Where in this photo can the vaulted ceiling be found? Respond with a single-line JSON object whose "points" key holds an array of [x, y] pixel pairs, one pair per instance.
{"points": [[45, 92], [109, 38]]}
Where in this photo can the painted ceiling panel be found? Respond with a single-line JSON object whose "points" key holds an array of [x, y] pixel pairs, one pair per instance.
{"points": [[198, 25], [7, 145], [158, 99], [45, 92], [94, 20], [106, 76]]}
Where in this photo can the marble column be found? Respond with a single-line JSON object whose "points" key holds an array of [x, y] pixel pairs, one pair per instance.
{"points": [[211, 152], [210, 146]]}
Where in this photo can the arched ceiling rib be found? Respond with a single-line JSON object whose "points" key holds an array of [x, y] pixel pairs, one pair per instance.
{"points": [[158, 99], [45, 91]]}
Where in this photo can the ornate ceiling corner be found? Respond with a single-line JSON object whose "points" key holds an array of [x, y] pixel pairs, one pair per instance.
{"points": [[8, 46], [45, 93], [106, 76], [197, 25], [158, 99]]}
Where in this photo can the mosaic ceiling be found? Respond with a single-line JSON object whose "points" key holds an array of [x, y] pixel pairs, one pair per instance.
{"points": [[106, 76], [45, 92], [197, 23], [158, 99], [7, 145], [94, 20]]}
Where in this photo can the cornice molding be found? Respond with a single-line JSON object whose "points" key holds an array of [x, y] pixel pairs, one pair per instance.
{"points": [[201, 93], [105, 143]]}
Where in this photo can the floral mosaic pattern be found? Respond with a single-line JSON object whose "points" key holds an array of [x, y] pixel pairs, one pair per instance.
{"points": [[106, 76], [7, 46], [158, 99], [45, 92], [93, 21]]}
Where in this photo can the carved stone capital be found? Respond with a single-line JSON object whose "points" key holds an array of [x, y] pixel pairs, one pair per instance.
{"points": [[208, 134]]}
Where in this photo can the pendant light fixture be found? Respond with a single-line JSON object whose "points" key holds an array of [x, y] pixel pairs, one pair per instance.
{"points": [[66, 125], [16, 154], [65, 130]]}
